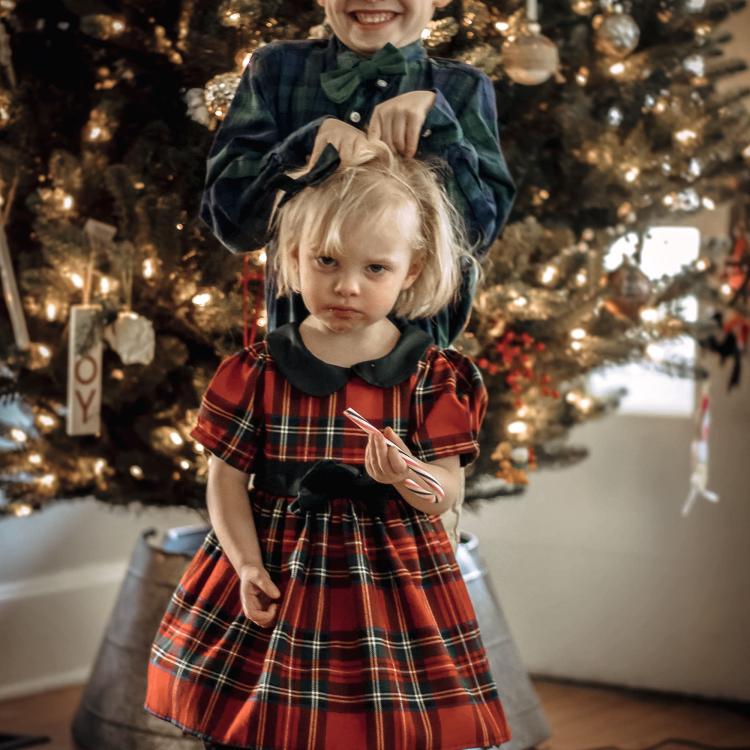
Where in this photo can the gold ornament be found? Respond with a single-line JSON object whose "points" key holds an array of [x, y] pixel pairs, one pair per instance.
{"points": [[220, 92], [530, 59], [440, 32], [617, 35], [477, 18], [630, 290]]}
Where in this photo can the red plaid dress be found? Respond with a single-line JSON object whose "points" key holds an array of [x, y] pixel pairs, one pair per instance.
{"points": [[376, 644]]}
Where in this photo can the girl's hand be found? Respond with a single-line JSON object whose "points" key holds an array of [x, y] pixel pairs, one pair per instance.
{"points": [[347, 139], [256, 592], [384, 463], [399, 121]]}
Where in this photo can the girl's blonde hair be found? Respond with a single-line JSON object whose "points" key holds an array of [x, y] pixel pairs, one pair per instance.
{"points": [[372, 181]]}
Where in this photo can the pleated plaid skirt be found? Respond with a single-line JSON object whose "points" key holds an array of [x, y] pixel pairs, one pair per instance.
{"points": [[375, 646]]}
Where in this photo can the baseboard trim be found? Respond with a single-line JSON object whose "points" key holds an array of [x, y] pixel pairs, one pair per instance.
{"points": [[73, 579], [44, 684]]}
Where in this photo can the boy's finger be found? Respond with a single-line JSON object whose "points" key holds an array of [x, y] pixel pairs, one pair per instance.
{"points": [[374, 129], [411, 141], [398, 133]]}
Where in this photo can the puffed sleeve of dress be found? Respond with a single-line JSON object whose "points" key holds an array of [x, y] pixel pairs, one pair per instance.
{"points": [[229, 422], [448, 406]]}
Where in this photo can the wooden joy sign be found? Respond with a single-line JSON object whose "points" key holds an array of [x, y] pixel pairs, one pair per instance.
{"points": [[84, 371]]}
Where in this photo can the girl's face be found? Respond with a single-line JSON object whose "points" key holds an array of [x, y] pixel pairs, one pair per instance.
{"points": [[367, 25], [360, 286]]}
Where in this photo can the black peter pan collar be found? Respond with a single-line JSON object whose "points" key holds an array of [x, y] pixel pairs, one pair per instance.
{"points": [[317, 378]]}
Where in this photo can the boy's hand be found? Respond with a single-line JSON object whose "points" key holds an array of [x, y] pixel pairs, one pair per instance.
{"points": [[399, 121], [256, 592], [346, 138], [384, 463]]}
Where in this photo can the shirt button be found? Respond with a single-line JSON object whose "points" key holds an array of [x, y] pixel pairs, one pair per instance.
{"points": [[380, 82], [355, 117], [427, 133]]}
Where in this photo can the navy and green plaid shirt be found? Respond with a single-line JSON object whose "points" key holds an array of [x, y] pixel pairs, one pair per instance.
{"points": [[272, 123]]}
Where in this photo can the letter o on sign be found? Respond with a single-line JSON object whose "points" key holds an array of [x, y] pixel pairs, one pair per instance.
{"points": [[80, 370]]}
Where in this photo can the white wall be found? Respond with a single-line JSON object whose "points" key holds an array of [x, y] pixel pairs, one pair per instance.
{"points": [[60, 571]]}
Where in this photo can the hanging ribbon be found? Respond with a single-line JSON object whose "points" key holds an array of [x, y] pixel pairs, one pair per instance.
{"points": [[249, 274]]}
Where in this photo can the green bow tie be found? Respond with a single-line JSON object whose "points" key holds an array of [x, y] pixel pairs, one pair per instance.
{"points": [[341, 83]]}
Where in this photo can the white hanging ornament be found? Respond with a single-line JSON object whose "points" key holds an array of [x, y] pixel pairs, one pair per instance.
{"points": [[530, 58], [132, 337], [617, 34]]}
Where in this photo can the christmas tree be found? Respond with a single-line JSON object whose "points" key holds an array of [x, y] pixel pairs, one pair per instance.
{"points": [[120, 303]]}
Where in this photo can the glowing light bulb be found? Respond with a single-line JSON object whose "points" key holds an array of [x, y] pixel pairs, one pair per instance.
{"points": [[48, 480], [35, 459], [617, 69], [708, 203], [261, 321], [44, 351], [584, 404], [45, 420], [99, 465], [149, 268], [502, 26], [136, 472], [549, 274], [632, 173], [185, 465], [67, 202], [95, 133], [701, 264], [649, 315], [668, 200], [105, 285], [202, 299], [576, 346], [581, 278], [582, 76], [77, 280], [686, 136], [262, 257], [726, 290], [176, 438], [520, 302], [578, 334], [198, 448], [118, 26], [518, 428], [22, 509], [180, 227], [19, 435], [51, 311]]}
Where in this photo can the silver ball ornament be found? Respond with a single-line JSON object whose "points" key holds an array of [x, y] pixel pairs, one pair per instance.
{"points": [[617, 35], [530, 59]]}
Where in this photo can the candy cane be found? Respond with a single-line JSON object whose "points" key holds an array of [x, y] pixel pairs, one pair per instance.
{"points": [[412, 462]]}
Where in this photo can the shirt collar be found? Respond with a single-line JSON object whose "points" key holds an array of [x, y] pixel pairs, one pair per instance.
{"points": [[412, 52], [317, 378]]}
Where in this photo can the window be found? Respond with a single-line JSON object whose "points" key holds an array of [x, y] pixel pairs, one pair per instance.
{"points": [[665, 251]]}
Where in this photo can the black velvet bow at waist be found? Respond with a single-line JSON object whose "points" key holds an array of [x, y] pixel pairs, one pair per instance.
{"points": [[325, 481]]}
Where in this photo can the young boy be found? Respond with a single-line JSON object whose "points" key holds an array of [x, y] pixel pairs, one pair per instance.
{"points": [[371, 79]]}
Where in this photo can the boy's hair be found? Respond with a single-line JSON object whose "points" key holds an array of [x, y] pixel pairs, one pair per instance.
{"points": [[372, 181]]}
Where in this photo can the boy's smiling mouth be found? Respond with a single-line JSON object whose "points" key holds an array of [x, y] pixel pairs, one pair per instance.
{"points": [[372, 17]]}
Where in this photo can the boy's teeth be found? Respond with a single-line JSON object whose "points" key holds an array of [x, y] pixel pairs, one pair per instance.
{"points": [[374, 17]]}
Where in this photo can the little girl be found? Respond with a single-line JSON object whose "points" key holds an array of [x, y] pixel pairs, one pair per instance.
{"points": [[325, 609]]}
